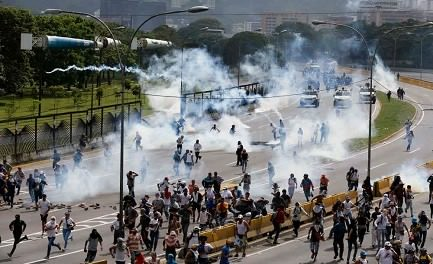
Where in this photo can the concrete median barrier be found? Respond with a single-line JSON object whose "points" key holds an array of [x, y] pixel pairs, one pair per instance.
{"points": [[382, 186], [417, 82]]}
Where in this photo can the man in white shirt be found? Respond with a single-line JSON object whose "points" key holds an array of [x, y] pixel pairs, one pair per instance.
{"points": [[197, 149], [292, 185], [227, 195], [380, 224], [51, 228], [385, 255], [347, 206], [44, 206]]}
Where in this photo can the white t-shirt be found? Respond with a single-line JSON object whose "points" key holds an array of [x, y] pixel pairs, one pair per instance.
{"points": [[155, 223], [347, 206], [197, 147], [51, 228], [184, 199], [384, 256], [292, 182], [44, 206], [67, 222], [120, 254]]}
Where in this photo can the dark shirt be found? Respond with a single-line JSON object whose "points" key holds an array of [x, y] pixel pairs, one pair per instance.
{"points": [[18, 226], [339, 231]]}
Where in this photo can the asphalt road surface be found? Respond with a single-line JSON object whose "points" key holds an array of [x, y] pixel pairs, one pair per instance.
{"points": [[387, 159]]}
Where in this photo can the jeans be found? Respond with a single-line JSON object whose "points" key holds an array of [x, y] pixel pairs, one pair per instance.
{"points": [[381, 236], [276, 231], [51, 243], [154, 235], [410, 207], [338, 243], [176, 168], [32, 194], [351, 244], [244, 165], [91, 254], [66, 235], [423, 237], [185, 231]]}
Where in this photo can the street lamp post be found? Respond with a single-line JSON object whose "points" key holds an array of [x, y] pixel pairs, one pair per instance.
{"points": [[395, 38], [195, 9], [421, 53], [371, 59]]}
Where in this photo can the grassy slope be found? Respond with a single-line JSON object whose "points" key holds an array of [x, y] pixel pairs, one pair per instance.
{"points": [[390, 120]]}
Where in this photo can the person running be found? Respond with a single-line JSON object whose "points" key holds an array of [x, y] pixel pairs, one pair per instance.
{"points": [[386, 254], [324, 182], [51, 228], [214, 128], [315, 234], [274, 131], [19, 177], [91, 246], [120, 251], [232, 130], [277, 220], [44, 206], [408, 200], [352, 240], [177, 159], [293, 184], [134, 241], [17, 227], [338, 233], [188, 160], [154, 226], [67, 224], [409, 137], [425, 224], [244, 160], [300, 136], [380, 225], [246, 180], [241, 230], [296, 218], [78, 157], [239, 150], [307, 186], [55, 158], [197, 149], [179, 143], [271, 172], [137, 140]]}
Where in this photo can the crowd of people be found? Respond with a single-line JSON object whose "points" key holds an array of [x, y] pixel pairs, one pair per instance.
{"points": [[178, 211]]}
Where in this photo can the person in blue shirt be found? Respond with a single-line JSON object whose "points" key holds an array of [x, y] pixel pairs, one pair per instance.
{"points": [[225, 251]]}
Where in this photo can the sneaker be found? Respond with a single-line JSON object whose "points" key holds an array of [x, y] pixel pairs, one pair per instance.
{"points": [[275, 243], [236, 255], [26, 238], [312, 255], [71, 238], [244, 255], [63, 249], [10, 255], [335, 257], [47, 257]]}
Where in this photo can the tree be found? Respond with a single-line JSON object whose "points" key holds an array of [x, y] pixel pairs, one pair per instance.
{"points": [[15, 71], [242, 44]]}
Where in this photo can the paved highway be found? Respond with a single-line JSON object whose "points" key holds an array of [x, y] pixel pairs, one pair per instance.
{"points": [[387, 159]]}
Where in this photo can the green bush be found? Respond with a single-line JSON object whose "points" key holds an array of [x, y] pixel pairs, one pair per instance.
{"points": [[56, 91]]}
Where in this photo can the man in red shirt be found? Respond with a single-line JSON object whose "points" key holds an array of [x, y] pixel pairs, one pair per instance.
{"points": [[277, 220]]}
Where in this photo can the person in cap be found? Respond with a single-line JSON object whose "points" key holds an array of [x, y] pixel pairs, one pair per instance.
{"points": [[409, 256], [17, 227], [120, 251], [385, 255], [241, 230], [362, 258], [424, 258], [51, 228], [193, 238], [67, 224], [225, 253]]}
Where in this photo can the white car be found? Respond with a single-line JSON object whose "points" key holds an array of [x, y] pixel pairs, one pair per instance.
{"points": [[343, 99], [309, 98], [364, 95]]}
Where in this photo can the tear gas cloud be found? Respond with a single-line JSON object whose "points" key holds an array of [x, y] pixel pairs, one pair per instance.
{"points": [[200, 71]]}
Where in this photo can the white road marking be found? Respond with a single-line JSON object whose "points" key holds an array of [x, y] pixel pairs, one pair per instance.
{"points": [[54, 257], [377, 166], [413, 151], [231, 163]]}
